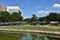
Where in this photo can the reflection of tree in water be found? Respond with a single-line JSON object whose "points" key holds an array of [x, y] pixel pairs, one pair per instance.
{"points": [[52, 38], [10, 36], [16, 35], [41, 37], [38, 37], [27, 37], [34, 36]]}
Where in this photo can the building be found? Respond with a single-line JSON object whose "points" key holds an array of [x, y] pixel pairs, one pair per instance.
{"points": [[3, 8], [12, 9]]}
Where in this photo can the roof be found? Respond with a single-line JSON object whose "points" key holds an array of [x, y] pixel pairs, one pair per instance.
{"points": [[13, 7]]}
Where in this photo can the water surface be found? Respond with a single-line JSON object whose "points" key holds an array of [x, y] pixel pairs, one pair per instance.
{"points": [[25, 36]]}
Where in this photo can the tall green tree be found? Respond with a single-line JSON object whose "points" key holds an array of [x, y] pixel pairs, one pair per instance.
{"points": [[27, 20], [4, 16], [34, 17], [21, 17], [17, 16], [58, 17], [43, 18], [52, 16]]}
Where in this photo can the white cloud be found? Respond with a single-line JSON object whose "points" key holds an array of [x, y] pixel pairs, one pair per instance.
{"points": [[25, 17], [46, 11], [56, 5], [43, 11]]}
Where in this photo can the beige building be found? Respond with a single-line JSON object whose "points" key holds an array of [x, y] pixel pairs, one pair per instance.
{"points": [[3, 8]]}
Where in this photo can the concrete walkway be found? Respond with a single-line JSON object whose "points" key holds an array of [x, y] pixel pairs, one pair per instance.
{"points": [[29, 31]]}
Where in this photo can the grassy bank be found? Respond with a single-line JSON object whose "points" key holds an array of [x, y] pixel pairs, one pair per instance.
{"points": [[30, 27]]}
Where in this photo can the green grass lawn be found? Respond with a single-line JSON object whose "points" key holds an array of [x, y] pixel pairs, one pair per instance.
{"points": [[27, 27]]}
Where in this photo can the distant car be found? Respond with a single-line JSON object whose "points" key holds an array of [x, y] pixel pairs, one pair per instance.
{"points": [[33, 23], [43, 22], [2, 23], [54, 23], [12, 23], [23, 23]]}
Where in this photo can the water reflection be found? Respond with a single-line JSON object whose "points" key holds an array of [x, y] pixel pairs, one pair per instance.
{"points": [[27, 36], [37, 37], [46, 38]]}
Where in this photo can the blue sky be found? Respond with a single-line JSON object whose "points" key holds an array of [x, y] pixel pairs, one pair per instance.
{"points": [[38, 7]]}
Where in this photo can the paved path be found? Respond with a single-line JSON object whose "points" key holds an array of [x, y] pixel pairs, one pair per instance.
{"points": [[29, 31]]}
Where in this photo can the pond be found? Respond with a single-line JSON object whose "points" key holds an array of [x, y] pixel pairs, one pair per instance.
{"points": [[25, 36]]}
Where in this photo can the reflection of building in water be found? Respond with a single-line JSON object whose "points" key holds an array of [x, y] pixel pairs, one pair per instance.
{"points": [[3, 8], [12, 9]]}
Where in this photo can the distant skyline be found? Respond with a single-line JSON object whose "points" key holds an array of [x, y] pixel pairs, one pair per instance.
{"points": [[38, 7]]}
